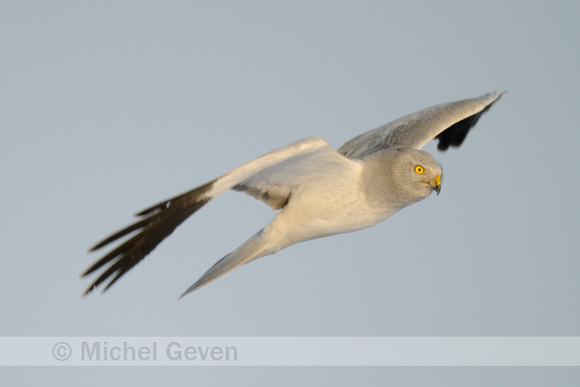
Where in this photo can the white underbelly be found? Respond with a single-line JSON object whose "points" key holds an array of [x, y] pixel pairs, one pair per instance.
{"points": [[317, 215]]}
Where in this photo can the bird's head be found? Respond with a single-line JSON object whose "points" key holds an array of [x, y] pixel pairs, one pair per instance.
{"points": [[402, 176], [415, 174]]}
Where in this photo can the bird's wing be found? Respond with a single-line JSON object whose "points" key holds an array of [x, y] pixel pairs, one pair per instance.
{"points": [[274, 184], [269, 178], [449, 122]]}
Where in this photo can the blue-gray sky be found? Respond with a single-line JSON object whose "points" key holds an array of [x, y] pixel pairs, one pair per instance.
{"points": [[109, 107]]}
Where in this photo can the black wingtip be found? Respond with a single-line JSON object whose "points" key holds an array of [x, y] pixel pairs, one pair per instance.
{"points": [[158, 223], [455, 135], [87, 292]]}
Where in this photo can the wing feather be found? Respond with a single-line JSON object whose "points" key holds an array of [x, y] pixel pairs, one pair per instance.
{"points": [[449, 122]]}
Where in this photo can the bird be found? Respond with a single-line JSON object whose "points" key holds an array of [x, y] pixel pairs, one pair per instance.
{"points": [[317, 191]]}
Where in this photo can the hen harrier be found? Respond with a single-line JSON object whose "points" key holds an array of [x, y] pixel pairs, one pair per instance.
{"points": [[319, 191]]}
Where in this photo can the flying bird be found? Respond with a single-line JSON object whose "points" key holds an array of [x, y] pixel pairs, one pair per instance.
{"points": [[318, 191]]}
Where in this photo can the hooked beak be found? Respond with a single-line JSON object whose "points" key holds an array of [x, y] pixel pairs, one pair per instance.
{"points": [[436, 184]]}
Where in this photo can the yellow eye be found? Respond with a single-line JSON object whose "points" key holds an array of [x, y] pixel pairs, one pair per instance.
{"points": [[419, 169]]}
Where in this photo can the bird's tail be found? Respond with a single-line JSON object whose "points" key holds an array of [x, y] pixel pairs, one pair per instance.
{"points": [[251, 249]]}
